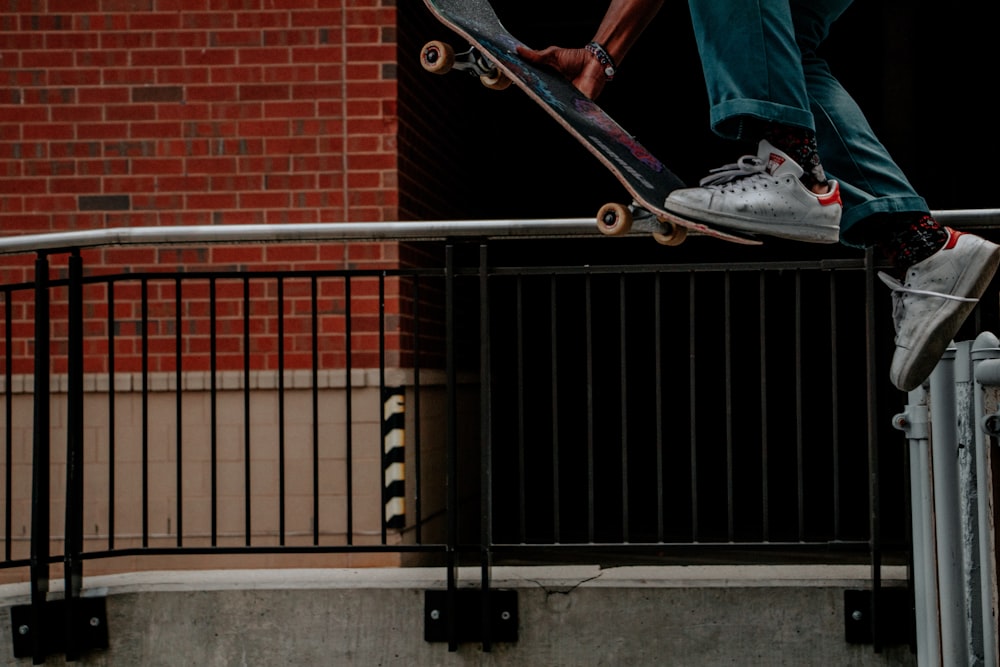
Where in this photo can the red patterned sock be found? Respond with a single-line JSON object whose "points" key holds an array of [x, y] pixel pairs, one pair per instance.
{"points": [[913, 242], [800, 144]]}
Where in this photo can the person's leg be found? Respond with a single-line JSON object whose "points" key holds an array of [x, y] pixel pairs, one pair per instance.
{"points": [[764, 76], [874, 190], [757, 91], [751, 65], [944, 272]]}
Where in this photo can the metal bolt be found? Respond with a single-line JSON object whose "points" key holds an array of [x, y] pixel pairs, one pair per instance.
{"points": [[991, 424], [435, 614], [24, 629], [857, 615], [94, 622]]}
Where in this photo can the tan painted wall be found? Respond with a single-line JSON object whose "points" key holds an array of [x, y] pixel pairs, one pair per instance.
{"points": [[194, 514]]}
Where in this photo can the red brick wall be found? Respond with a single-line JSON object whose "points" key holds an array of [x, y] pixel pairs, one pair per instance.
{"points": [[121, 113], [169, 112]]}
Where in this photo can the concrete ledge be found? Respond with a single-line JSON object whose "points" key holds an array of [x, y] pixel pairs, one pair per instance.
{"points": [[547, 577], [568, 617]]}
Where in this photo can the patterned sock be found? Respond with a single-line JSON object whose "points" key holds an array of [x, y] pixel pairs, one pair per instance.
{"points": [[800, 144], [913, 241]]}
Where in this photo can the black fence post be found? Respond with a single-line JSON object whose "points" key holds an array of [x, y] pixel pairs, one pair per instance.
{"points": [[40, 464], [72, 561], [451, 606], [485, 456], [874, 507]]}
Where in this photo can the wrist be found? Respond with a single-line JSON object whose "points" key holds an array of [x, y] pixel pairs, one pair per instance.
{"points": [[603, 58]]}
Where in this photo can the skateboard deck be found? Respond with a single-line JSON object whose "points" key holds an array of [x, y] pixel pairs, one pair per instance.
{"points": [[493, 57]]}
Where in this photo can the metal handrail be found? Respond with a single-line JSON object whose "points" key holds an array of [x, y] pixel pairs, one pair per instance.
{"points": [[369, 231], [296, 233]]}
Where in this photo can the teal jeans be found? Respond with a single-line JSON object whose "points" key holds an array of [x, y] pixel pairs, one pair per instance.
{"points": [[760, 64]]}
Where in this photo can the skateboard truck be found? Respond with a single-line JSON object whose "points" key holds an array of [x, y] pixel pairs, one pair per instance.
{"points": [[440, 58], [617, 220]]}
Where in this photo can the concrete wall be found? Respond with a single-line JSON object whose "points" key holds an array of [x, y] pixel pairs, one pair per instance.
{"points": [[569, 616]]}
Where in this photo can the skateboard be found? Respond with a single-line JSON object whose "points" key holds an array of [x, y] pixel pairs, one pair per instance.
{"points": [[492, 56]]}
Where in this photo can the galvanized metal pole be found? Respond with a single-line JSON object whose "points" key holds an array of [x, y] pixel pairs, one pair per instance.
{"points": [[913, 421], [968, 502], [946, 511], [985, 355]]}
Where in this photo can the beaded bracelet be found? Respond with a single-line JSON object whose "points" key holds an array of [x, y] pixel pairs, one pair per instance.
{"points": [[603, 57]]}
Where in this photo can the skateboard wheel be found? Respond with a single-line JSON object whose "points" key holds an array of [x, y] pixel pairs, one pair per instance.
{"points": [[495, 80], [437, 57], [614, 219], [674, 235]]}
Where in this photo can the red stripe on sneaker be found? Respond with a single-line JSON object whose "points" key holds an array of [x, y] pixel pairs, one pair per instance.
{"points": [[832, 197], [952, 238]]}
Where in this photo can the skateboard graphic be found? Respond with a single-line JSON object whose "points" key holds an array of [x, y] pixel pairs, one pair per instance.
{"points": [[493, 57]]}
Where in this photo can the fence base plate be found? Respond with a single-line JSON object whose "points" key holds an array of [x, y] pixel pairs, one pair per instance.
{"points": [[894, 617], [90, 626], [468, 616]]}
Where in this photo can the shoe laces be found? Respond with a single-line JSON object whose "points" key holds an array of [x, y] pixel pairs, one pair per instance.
{"points": [[746, 167], [899, 289]]}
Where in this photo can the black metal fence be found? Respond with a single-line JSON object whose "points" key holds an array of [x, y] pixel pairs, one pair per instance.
{"points": [[619, 410]]}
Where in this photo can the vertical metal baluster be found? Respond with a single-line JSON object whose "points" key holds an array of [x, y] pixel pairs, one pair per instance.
{"points": [[247, 483], [144, 283], [693, 403], [451, 605], [384, 494], [486, 455], [73, 528], [623, 388], [349, 409], [658, 402], [764, 471], [178, 405], [589, 314], [522, 468], [281, 411], [213, 405], [727, 303], [40, 500], [554, 380], [417, 457], [873, 463], [835, 406], [799, 434], [111, 413], [314, 338], [7, 424]]}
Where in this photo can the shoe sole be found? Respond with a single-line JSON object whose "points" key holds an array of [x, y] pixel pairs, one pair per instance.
{"points": [[946, 322], [804, 233]]}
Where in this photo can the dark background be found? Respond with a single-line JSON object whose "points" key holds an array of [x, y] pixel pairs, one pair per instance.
{"points": [[916, 68], [475, 154]]}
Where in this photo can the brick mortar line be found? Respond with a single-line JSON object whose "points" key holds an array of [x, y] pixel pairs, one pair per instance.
{"points": [[126, 383]]}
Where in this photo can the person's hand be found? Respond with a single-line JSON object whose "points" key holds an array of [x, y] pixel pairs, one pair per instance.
{"points": [[576, 65]]}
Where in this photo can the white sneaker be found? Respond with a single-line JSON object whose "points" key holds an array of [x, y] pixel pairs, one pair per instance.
{"points": [[762, 194], [931, 305]]}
